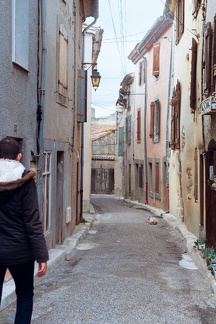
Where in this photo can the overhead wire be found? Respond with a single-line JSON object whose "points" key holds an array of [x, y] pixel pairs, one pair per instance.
{"points": [[122, 32], [117, 43]]}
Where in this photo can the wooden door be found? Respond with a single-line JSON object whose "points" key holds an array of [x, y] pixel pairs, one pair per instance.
{"points": [[59, 197], [210, 200], [102, 181]]}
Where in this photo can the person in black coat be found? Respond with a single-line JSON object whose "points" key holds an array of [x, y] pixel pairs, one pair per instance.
{"points": [[22, 240]]}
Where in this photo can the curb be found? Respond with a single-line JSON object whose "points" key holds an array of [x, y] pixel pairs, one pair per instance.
{"points": [[56, 257]]}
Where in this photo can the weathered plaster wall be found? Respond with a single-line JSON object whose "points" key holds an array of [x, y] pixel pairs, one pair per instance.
{"points": [[18, 87]]}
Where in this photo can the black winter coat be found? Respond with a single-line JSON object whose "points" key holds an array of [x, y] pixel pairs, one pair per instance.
{"points": [[21, 234]]}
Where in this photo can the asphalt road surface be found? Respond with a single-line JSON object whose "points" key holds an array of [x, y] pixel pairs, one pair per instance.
{"points": [[125, 272]]}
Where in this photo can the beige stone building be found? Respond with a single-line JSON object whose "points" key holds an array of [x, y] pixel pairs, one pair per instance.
{"points": [[103, 137], [192, 165]]}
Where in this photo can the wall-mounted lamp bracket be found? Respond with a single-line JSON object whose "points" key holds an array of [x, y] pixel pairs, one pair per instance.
{"points": [[95, 77]]}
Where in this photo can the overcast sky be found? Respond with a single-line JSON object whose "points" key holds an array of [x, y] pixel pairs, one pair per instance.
{"points": [[125, 23]]}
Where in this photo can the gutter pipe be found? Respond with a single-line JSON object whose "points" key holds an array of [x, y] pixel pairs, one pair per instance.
{"points": [[41, 90], [168, 111], [82, 131]]}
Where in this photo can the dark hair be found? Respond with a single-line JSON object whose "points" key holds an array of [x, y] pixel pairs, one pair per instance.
{"points": [[9, 148]]}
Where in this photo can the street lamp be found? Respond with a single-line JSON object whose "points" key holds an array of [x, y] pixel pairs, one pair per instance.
{"points": [[95, 77]]}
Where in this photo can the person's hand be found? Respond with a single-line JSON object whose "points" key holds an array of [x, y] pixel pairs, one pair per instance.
{"points": [[42, 268]]}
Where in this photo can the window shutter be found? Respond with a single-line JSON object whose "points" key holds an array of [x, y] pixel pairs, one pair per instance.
{"points": [[157, 178], [193, 75], [208, 52], [63, 52], [179, 20], [138, 125], [20, 33], [196, 7], [126, 130], [151, 133], [81, 96], [121, 141], [172, 140], [196, 175], [129, 130], [140, 73], [177, 119], [214, 56], [157, 121], [156, 59], [143, 72], [141, 176]]}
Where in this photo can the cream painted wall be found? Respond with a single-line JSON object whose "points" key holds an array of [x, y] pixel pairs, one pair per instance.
{"points": [[87, 126], [181, 163]]}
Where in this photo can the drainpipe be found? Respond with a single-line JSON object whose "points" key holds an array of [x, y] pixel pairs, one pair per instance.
{"points": [[82, 131], [168, 110], [41, 97], [145, 136]]}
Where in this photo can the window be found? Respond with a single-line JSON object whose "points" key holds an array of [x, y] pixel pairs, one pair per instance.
{"points": [[128, 130], [150, 178], [157, 178], [155, 121], [138, 125], [175, 117], [20, 33], [141, 73], [179, 20], [193, 75], [141, 176], [46, 192], [156, 59], [62, 66]]}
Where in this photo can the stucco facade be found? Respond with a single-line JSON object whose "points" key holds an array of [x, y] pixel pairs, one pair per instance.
{"points": [[103, 143], [91, 49], [184, 159], [147, 104], [18, 81], [41, 87], [62, 83]]}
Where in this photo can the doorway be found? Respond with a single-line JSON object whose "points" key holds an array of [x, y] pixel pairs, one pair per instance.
{"points": [[210, 169], [59, 197]]}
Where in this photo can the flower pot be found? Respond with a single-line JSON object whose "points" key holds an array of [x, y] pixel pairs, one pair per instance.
{"points": [[201, 246]]}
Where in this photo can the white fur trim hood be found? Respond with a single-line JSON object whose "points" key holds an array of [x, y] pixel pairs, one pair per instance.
{"points": [[10, 170]]}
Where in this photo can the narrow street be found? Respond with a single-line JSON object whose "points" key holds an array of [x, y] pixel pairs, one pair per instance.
{"points": [[125, 271]]}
